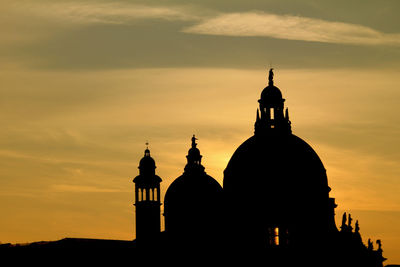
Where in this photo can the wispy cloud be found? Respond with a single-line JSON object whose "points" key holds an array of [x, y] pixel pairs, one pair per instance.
{"points": [[292, 28], [207, 22], [85, 12]]}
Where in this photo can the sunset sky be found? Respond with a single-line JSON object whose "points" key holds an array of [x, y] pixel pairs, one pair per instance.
{"points": [[84, 85]]}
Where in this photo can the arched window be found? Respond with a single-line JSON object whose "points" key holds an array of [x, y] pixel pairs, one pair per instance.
{"points": [[273, 236], [276, 236]]}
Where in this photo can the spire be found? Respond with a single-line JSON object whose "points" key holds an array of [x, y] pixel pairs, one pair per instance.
{"points": [[344, 220], [271, 77], [194, 141], [350, 220], [193, 157]]}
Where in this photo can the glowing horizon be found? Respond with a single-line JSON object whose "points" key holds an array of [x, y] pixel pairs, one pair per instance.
{"points": [[86, 83]]}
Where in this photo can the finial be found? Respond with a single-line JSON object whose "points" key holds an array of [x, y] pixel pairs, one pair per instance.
{"points": [[147, 151], [357, 229], [194, 141], [271, 77]]}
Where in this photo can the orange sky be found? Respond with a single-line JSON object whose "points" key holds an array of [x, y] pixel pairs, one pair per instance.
{"points": [[81, 95]]}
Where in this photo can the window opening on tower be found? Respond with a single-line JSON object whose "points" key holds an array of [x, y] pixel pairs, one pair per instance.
{"points": [[273, 237]]}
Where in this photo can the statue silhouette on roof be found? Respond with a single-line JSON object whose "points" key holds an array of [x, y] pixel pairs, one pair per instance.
{"points": [[271, 77]]}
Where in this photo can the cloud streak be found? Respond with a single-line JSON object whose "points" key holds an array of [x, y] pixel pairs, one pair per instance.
{"points": [[259, 24], [205, 21], [85, 12]]}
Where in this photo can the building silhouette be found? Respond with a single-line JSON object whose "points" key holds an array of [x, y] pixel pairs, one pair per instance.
{"points": [[147, 200], [274, 209], [279, 182], [193, 204]]}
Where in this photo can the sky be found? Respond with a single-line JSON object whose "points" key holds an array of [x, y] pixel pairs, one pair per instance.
{"points": [[85, 84]]}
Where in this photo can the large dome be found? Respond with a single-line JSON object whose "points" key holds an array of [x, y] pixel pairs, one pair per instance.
{"points": [[277, 167], [278, 181]]}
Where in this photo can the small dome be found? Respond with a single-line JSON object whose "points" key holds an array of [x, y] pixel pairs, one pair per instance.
{"points": [[147, 165], [192, 203], [147, 162], [194, 152], [147, 171], [194, 184], [193, 156], [271, 94], [190, 188]]}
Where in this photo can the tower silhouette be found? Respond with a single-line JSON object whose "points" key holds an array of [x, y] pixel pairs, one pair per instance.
{"points": [[272, 119], [147, 200]]}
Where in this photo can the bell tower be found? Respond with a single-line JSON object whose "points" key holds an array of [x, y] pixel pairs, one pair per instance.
{"points": [[147, 200]]}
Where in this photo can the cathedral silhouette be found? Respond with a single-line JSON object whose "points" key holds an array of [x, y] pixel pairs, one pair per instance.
{"points": [[274, 209]]}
